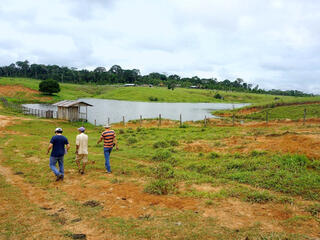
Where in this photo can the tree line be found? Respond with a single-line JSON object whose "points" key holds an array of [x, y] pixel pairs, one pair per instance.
{"points": [[118, 75]]}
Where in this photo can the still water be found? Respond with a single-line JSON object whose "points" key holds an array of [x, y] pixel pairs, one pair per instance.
{"points": [[114, 110]]}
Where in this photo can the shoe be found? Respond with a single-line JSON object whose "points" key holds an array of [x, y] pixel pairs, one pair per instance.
{"points": [[59, 177], [82, 172], [108, 172]]}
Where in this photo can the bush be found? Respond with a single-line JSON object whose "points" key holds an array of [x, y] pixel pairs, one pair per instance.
{"points": [[162, 156], [161, 144], [218, 96], [164, 171], [213, 155], [160, 187], [121, 131], [153, 99], [132, 140], [174, 143], [49, 87]]}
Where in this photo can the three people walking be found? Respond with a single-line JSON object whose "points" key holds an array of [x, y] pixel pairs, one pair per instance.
{"points": [[60, 146]]}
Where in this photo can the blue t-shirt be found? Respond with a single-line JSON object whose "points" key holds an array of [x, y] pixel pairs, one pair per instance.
{"points": [[58, 142]]}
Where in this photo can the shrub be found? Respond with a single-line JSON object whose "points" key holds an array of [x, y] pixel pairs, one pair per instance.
{"points": [[218, 96], [164, 171], [213, 155], [49, 87], [132, 140], [160, 187], [173, 142], [162, 156], [121, 131], [161, 144], [153, 99], [183, 126]]}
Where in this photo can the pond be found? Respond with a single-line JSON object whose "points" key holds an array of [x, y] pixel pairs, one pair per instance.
{"points": [[115, 110]]}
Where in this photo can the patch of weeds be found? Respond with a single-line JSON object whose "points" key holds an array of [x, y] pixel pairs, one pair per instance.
{"points": [[130, 130], [257, 153], [213, 155], [116, 180], [200, 154], [162, 155], [184, 126], [164, 171], [285, 199], [258, 197], [173, 143], [121, 131], [209, 202], [314, 209], [132, 140], [139, 129], [161, 187], [161, 144]]}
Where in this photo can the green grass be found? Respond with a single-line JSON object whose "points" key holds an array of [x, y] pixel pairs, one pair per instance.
{"points": [[294, 112], [157, 157], [75, 91]]}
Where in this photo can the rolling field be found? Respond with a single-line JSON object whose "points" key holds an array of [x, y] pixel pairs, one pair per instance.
{"points": [[162, 94], [249, 181], [254, 181]]}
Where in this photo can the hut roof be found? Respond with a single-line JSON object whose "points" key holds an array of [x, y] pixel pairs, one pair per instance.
{"points": [[71, 103]]}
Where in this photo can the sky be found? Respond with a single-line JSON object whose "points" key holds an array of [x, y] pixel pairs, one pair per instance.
{"points": [[272, 43]]}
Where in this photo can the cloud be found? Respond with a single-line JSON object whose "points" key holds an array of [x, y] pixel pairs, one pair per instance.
{"points": [[273, 43]]}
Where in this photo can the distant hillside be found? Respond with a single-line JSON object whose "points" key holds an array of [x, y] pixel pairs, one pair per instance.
{"points": [[116, 74]]}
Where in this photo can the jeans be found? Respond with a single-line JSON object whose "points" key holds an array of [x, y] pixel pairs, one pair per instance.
{"points": [[53, 162], [107, 152]]}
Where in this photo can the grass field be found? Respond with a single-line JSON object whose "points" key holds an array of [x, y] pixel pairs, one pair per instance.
{"points": [[162, 94], [217, 182]]}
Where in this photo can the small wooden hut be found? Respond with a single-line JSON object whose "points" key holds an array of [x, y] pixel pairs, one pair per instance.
{"points": [[70, 110]]}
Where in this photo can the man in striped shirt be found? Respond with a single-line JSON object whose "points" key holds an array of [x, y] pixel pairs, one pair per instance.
{"points": [[109, 140]]}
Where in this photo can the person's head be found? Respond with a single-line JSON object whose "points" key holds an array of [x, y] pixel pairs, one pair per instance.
{"points": [[107, 126], [58, 131], [81, 129]]}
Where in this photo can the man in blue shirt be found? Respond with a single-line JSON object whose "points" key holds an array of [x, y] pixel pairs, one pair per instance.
{"points": [[57, 144]]}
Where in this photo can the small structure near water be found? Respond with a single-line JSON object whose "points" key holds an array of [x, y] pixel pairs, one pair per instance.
{"points": [[70, 110]]}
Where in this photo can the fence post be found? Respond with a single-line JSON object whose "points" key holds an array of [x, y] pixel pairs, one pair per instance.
{"points": [[123, 121], [205, 121], [108, 121], [95, 122], [267, 117], [140, 121], [159, 120], [304, 116], [180, 120]]}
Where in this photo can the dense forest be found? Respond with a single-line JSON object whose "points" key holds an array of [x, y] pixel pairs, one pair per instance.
{"points": [[116, 75]]}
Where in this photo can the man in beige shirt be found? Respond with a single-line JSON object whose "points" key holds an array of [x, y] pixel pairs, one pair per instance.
{"points": [[81, 149]]}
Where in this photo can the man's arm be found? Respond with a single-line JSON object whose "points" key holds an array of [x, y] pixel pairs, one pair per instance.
{"points": [[116, 142], [49, 148], [68, 147], [100, 139]]}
